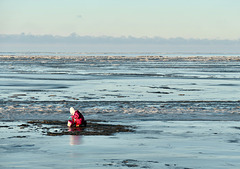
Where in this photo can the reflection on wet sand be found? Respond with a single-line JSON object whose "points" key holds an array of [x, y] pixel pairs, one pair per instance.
{"points": [[75, 139]]}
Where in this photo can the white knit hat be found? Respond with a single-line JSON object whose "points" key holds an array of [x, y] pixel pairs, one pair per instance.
{"points": [[72, 111]]}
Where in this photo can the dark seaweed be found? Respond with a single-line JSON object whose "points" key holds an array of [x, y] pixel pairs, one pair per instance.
{"points": [[92, 128]]}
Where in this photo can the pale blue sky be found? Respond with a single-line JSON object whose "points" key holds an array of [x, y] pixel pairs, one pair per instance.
{"points": [[210, 19]]}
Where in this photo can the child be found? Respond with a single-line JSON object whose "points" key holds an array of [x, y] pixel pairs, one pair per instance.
{"points": [[76, 118]]}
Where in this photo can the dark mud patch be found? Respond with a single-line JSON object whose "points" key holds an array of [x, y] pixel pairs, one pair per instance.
{"points": [[233, 141], [238, 128], [161, 92], [59, 128], [4, 126], [131, 163], [18, 137], [134, 163]]}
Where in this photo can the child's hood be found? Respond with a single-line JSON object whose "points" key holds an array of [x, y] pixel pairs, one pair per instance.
{"points": [[72, 111]]}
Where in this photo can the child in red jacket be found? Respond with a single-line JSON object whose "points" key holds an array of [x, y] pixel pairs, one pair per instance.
{"points": [[77, 118]]}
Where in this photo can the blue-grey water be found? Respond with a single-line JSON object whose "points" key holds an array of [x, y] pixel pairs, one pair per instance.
{"points": [[186, 109], [133, 85]]}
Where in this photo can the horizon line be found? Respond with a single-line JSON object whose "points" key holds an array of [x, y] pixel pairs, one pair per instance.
{"points": [[75, 35]]}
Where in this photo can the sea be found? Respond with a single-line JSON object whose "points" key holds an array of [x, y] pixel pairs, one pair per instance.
{"points": [[117, 86]]}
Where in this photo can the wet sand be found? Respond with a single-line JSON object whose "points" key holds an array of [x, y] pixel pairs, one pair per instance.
{"points": [[59, 128], [146, 111], [152, 144]]}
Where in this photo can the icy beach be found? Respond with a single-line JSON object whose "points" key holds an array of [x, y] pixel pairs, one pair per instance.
{"points": [[184, 110]]}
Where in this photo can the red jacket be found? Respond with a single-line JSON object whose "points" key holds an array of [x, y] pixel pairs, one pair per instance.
{"points": [[78, 118]]}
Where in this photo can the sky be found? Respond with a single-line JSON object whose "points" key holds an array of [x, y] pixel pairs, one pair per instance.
{"points": [[188, 19], [211, 19]]}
